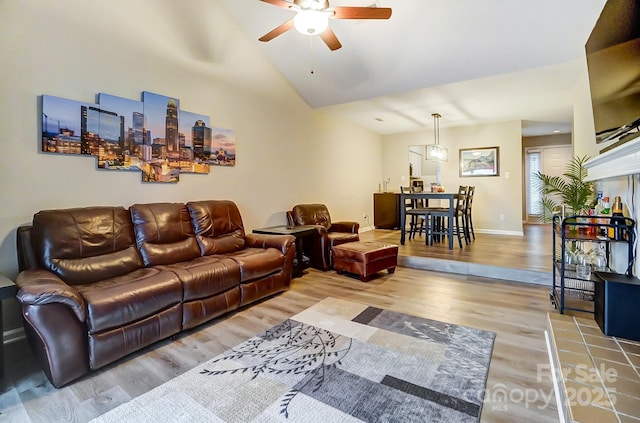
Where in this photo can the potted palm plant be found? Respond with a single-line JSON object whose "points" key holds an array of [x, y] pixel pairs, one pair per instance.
{"points": [[570, 190]]}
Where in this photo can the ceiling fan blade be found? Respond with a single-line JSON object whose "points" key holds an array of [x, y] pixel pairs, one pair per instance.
{"points": [[279, 3], [277, 31], [330, 39], [345, 12]]}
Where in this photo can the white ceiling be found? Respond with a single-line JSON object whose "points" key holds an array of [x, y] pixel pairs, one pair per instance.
{"points": [[472, 61]]}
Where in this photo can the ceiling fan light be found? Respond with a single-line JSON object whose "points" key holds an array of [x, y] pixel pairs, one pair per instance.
{"points": [[311, 22]]}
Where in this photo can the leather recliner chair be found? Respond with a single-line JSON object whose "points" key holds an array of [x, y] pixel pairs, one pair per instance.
{"points": [[318, 248]]}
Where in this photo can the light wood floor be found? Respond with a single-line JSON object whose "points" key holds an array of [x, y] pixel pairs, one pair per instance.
{"points": [[533, 251], [516, 312]]}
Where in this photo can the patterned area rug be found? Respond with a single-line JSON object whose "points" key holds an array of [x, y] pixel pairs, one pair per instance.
{"points": [[337, 361]]}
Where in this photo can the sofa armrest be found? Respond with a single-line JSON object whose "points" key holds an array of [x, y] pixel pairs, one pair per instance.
{"points": [[39, 287], [280, 242], [322, 230], [345, 226]]}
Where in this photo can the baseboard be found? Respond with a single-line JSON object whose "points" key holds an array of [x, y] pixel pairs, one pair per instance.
{"points": [[499, 232], [13, 335], [365, 229], [475, 269]]}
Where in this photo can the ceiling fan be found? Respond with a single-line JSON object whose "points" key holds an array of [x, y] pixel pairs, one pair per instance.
{"points": [[312, 18]]}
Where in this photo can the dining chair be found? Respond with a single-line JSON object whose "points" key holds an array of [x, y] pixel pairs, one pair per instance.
{"points": [[441, 230], [460, 217], [418, 216], [420, 205], [467, 213]]}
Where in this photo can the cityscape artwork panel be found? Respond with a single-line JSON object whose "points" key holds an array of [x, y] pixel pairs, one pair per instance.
{"points": [[153, 136]]}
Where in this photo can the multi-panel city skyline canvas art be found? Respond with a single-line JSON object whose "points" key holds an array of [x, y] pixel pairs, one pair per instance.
{"points": [[153, 136]]}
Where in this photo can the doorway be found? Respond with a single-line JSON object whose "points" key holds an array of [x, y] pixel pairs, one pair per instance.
{"points": [[551, 161]]}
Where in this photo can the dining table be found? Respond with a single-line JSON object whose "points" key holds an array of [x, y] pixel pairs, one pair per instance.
{"points": [[425, 196]]}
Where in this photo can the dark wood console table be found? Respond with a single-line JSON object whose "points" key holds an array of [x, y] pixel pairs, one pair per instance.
{"points": [[386, 210], [299, 232]]}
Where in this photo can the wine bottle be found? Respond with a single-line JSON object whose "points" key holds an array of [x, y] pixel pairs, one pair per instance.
{"points": [[605, 210], [594, 230], [617, 230]]}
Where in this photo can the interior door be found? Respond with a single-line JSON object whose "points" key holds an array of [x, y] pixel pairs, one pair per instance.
{"points": [[551, 161]]}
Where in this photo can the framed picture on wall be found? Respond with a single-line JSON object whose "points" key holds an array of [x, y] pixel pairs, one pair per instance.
{"points": [[483, 161]]}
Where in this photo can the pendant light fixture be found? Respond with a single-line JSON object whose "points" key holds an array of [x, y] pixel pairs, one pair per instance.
{"points": [[435, 151]]}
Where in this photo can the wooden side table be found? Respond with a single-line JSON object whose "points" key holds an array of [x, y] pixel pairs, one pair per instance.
{"points": [[7, 290], [299, 232]]}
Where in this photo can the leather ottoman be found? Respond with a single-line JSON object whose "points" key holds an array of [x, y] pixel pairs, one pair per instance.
{"points": [[365, 258]]}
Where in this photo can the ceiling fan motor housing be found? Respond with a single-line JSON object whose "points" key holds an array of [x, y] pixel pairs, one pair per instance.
{"points": [[312, 4]]}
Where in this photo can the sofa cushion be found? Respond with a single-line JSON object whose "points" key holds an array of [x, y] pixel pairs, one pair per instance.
{"points": [[164, 234], [218, 226], [120, 301], [337, 238], [258, 262], [85, 245], [205, 276], [109, 345]]}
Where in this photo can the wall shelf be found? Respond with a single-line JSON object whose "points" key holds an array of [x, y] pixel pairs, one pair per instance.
{"points": [[621, 161]]}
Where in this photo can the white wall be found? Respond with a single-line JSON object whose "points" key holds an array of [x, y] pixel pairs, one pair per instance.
{"points": [[193, 50], [584, 139], [494, 195]]}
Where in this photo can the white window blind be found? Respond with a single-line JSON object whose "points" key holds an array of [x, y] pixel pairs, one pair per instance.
{"points": [[534, 196]]}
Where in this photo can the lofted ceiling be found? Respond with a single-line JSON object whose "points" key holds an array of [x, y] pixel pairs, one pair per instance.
{"points": [[472, 61]]}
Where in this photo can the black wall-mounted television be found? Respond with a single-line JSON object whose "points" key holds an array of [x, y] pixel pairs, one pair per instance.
{"points": [[613, 62]]}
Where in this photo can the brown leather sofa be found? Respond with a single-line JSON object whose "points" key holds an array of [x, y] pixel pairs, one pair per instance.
{"points": [[99, 283], [318, 248]]}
